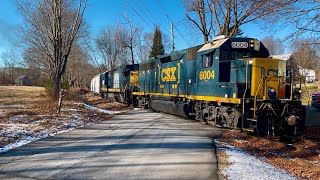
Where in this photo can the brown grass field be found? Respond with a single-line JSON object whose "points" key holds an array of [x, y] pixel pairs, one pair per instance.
{"points": [[14, 95], [32, 111], [24, 100]]}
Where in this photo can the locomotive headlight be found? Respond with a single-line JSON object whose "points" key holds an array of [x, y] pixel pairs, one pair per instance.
{"points": [[272, 93], [272, 90], [296, 93], [251, 45]]}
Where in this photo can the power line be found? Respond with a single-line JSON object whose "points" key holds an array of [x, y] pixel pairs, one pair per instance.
{"points": [[138, 14], [165, 13], [152, 17]]}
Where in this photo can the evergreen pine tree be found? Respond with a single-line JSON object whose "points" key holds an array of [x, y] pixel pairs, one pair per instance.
{"points": [[157, 46]]}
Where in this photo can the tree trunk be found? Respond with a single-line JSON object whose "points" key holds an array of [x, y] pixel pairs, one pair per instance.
{"points": [[205, 38], [59, 102], [131, 49], [56, 79]]}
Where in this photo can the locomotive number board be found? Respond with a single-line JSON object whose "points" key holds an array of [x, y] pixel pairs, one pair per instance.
{"points": [[239, 44]]}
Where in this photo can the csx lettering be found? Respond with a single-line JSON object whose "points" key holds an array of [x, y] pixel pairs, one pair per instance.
{"points": [[206, 75], [168, 74]]}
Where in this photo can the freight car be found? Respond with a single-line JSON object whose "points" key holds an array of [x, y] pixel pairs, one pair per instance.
{"points": [[117, 84], [230, 82]]}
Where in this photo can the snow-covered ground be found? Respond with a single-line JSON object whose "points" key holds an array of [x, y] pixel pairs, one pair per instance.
{"points": [[101, 110], [242, 165], [18, 131]]}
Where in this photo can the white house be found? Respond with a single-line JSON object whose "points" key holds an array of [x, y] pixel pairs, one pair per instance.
{"points": [[308, 73]]}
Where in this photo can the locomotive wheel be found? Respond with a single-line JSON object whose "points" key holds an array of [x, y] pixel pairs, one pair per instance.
{"points": [[203, 121]]}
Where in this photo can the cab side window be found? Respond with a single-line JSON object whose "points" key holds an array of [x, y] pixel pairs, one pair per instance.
{"points": [[207, 60]]}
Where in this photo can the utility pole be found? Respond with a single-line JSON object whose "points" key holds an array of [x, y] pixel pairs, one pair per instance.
{"points": [[131, 42], [172, 37], [130, 46]]}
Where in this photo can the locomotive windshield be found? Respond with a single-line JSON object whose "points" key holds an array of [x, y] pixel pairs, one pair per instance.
{"points": [[234, 54], [207, 60], [241, 53]]}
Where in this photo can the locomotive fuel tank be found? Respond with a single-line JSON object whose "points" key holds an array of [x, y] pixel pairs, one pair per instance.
{"points": [[176, 108]]}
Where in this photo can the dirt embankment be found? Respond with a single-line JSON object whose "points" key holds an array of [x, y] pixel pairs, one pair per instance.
{"points": [[28, 113], [300, 159]]}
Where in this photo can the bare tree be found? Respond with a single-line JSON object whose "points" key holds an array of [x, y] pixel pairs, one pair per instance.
{"points": [[79, 71], [227, 16], [35, 59], [303, 18], [111, 43], [274, 45], [92, 53], [204, 23], [12, 67], [51, 28], [305, 57], [143, 43]]}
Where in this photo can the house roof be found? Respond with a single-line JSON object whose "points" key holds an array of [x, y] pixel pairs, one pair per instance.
{"points": [[284, 57]]}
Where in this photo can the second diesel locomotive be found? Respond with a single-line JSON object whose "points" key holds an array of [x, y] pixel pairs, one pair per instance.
{"points": [[230, 82]]}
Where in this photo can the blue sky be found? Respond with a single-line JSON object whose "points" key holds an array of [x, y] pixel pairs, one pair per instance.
{"points": [[100, 13]]}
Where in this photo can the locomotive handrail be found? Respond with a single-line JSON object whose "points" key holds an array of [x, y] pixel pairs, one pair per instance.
{"points": [[244, 95], [255, 97]]}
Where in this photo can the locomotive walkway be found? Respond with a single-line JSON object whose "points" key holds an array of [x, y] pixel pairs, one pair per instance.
{"points": [[136, 145]]}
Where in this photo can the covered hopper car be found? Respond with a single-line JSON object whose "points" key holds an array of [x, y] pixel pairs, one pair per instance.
{"points": [[230, 82]]}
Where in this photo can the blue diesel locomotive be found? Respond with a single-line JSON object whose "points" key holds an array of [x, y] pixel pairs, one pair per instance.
{"points": [[230, 82]]}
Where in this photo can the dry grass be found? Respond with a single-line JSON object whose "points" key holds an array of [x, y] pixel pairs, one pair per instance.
{"points": [[31, 110], [12, 95], [15, 100]]}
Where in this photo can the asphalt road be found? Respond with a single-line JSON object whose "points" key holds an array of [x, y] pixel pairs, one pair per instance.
{"points": [[136, 145]]}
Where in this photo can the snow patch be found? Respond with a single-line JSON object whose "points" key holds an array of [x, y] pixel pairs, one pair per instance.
{"points": [[78, 104], [69, 110], [101, 110], [19, 131], [244, 166], [21, 134], [19, 143]]}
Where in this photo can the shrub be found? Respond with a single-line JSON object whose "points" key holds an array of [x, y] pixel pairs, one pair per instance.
{"points": [[48, 85], [65, 84]]}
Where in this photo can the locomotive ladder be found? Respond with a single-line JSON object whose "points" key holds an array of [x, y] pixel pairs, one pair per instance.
{"points": [[253, 111]]}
